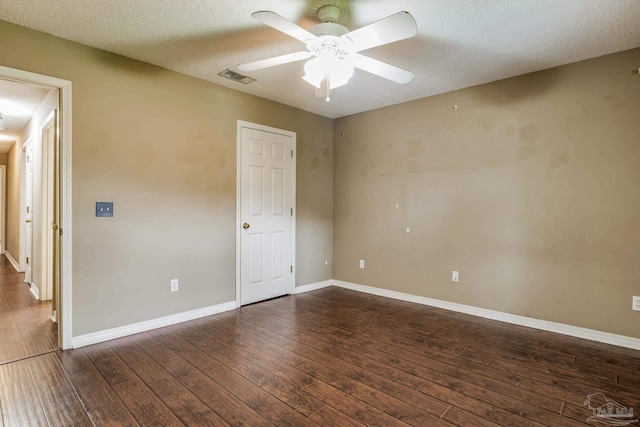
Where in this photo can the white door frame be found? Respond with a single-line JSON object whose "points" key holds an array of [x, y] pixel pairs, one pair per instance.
{"points": [[243, 124], [3, 209], [48, 190], [64, 87]]}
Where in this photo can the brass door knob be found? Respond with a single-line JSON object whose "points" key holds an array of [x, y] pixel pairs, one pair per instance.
{"points": [[54, 226], [245, 226]]}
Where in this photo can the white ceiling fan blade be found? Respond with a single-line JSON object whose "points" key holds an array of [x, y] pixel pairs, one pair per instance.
{"points": [[276, 21], [398, 26], [276, 60], [382, 69]]}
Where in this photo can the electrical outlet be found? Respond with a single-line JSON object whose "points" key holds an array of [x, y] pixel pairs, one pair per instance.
{"points": [[362, 264], [174, 285], [636, 304], [455, 276]]}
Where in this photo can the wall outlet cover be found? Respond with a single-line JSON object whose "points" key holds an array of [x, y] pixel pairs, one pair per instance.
{"points": [[636, 303], [104, 209], [455, 276]]}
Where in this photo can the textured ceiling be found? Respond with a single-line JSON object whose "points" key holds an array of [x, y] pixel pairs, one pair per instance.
{"points": [[18, 102], [460, 43]]}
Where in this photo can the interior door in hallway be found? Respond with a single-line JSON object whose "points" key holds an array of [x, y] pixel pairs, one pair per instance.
{"points": [[28, 240], [266, 213], [50, 209]]}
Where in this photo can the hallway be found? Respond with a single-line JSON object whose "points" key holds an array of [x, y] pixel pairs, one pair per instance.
{"points": [[25, 325]]}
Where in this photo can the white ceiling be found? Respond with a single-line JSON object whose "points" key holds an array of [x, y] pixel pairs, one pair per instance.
{"points": [[18, 103], [460, 43]]}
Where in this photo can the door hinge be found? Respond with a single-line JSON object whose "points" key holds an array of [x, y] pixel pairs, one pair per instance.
{"points": [[27, 209], [27, 260], [292, 268], [291, 211], [292, 154]]}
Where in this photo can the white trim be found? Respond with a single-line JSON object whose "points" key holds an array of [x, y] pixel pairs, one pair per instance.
{"points": [[312, 287], [47, 203], [12, 261], [3, 206], [545, 325], [64, 97], [35, 291], [123, 331], [293, 135]]}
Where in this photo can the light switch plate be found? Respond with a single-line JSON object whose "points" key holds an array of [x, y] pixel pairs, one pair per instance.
{"points": [[104, 209]]}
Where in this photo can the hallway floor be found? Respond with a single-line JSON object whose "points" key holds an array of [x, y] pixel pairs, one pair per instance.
{"points": [[25, 323]]}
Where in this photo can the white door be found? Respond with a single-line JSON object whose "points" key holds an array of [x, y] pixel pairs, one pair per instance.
{"points": [[266, 213], [28, 213], [49, 207]]}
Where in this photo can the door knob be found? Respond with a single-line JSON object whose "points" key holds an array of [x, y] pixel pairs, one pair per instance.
{"points": [[245, 226], [54, 226]]}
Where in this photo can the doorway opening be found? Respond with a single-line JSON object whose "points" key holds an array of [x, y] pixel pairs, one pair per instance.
{"points": [[40, 229]]}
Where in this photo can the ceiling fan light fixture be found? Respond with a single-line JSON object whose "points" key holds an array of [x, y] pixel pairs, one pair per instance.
{"points": [[326, 65], [335, 49]]}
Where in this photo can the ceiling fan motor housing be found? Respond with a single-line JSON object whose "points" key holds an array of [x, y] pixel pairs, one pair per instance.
{"points": [[328, 39]]}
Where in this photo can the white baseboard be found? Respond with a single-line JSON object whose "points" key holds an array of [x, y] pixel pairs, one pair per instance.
{"points": [[12, 261], [545, 325], [123, 331], [35, 291], [312, 287]]}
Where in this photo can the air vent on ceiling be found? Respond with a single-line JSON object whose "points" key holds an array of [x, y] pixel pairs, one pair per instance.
{"points": [[232, 75]]}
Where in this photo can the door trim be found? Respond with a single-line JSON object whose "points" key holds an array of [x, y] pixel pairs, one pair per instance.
{"points": [[3, 207], [64, 93], [48, 206], [243, 124]]}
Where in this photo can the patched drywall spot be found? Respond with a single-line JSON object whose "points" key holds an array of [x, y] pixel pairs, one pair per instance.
{"points": [[558, 159], [315, 163], [300, 145], [326, 152], [414, 149], [495, 162], [508, 131], [413, 166], [614, 103], [529, 134], [485, 123], [526, 153]]}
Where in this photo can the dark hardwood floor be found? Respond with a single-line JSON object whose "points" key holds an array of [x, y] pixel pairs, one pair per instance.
{"points": [[332, 357], [25, 323]]}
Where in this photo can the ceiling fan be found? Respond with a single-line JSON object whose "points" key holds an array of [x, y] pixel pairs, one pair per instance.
{"points": [[335, 50]]}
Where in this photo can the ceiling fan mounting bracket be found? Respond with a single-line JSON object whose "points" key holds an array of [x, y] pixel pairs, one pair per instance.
{"points": [[329, 13]]}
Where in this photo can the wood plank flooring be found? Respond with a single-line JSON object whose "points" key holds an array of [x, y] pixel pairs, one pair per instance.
{"points": [[25, 323], [332, 357]]}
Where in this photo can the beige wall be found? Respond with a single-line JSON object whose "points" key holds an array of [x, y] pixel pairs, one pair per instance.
{"points": [[12, 208], [3, 158], [529, 189], [162, 147]]}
